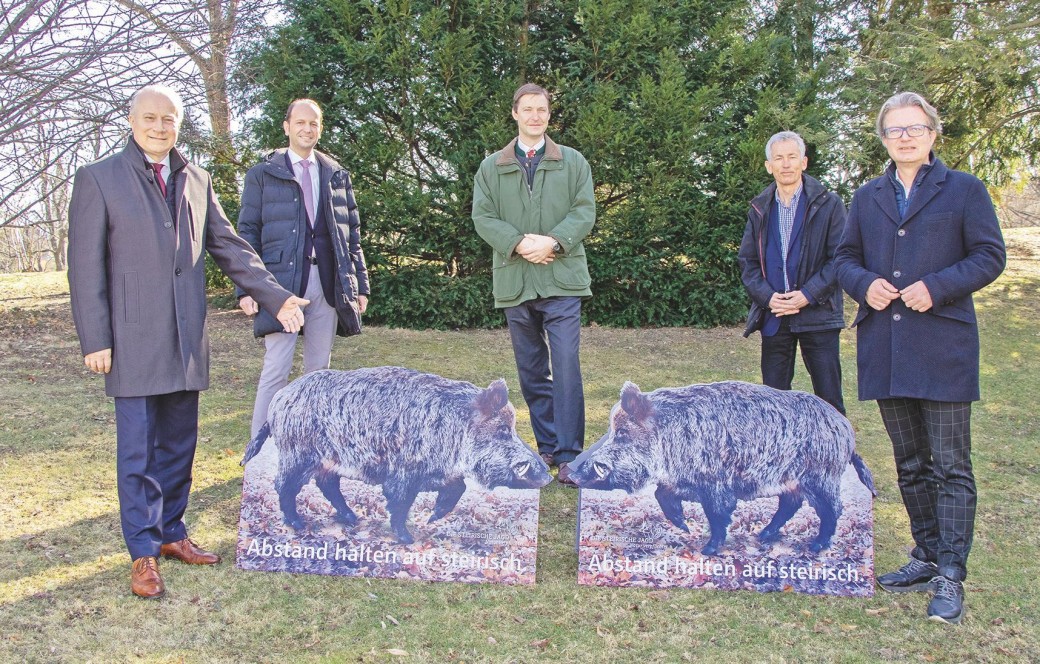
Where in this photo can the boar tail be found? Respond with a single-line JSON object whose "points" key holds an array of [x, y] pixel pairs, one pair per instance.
{"points": [[864, 473], [253, 448]]}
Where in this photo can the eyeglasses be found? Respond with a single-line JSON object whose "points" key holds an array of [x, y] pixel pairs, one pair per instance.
{"points": [[913, 131]]}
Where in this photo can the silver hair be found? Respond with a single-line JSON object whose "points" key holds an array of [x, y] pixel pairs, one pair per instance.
{"points": [[782, 136], [905, 100], [165, 91]]}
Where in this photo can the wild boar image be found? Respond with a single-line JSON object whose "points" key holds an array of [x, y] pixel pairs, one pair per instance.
{"points": [[719, 443], [407, 431]]}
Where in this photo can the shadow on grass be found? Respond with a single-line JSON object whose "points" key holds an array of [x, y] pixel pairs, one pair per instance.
{"points": [[54, 553]]}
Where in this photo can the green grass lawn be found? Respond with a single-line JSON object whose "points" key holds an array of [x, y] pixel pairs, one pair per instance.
{"points": [[64, 574]]}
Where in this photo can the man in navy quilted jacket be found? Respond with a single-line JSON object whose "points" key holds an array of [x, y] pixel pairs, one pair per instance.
{"points": [[298, 213]]}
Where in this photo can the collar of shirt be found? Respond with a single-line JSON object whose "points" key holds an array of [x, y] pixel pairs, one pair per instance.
{"points": [[921, 172], [527, 148], [794, 198], [165, 172]]}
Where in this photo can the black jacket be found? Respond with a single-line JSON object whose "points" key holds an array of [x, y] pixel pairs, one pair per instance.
{"points": [[273, 220], [821, 232]]}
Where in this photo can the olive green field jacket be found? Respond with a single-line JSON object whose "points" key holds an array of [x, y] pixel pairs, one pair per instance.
{"points": [[560, 204]]}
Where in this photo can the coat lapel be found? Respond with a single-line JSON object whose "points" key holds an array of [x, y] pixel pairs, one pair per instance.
{"points": [[928, 189], [885, 199]]}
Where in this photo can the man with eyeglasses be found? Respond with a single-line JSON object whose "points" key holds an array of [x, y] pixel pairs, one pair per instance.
{"points": [[919, 240]]}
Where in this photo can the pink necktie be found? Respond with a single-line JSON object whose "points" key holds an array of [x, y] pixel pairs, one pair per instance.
{"points": [[158, 176], [531, 154], [308, 191]]}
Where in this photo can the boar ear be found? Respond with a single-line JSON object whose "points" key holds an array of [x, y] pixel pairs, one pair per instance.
{"points": [[634, 402], [494, 398]]}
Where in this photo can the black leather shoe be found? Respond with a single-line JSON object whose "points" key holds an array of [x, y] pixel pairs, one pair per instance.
{"points": [[947, 604], [913, 576], [548, 459]]}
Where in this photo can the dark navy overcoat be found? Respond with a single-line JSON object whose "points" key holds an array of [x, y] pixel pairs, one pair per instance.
{"points": [[951, 240]]}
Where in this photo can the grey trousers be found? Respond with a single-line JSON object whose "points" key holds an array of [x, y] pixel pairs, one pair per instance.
{"points": [[319, 331]]}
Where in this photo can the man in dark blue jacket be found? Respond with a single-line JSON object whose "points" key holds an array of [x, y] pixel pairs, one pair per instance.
{"points": [[920, 240], [298, 213], [787, 265]]}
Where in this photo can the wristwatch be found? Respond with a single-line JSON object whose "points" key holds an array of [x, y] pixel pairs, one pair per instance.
{"points": [[556, 247]]}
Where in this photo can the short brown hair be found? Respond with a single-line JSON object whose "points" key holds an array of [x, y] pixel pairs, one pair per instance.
{"points": [[292, 104], [530, 89]]}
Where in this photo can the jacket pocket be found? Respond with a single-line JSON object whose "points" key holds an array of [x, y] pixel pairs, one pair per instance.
{"points": [[131, 298], [571, 272], [956, 310], [272, 256], [507, 278]]}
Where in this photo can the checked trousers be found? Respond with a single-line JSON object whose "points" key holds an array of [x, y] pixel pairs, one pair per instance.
{"points": [[931, 441]]}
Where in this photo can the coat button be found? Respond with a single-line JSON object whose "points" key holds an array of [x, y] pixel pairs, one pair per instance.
{"points": [[897, 317], [168, 224], [901, 232], [177, 272], [897, 274]]}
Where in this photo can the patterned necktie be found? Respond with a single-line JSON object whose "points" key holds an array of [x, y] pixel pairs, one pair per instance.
{"points": [[531, 154], [159, 178], [308, 191]]}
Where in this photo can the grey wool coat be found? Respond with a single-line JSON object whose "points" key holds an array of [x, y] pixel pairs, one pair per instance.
{"points": [[137, 277], [949, 239]]}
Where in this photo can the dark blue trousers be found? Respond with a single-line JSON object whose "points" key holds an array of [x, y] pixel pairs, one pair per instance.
{"points": [[820, 354], [931, 441], [155, 448], [547, 331]]}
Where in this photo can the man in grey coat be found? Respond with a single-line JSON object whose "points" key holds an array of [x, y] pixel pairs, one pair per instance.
{"points": [[298, 213], [140, 223], [919, 241]]}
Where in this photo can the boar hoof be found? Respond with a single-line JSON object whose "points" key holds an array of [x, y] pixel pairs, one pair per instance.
{"points": [[294, 522], [818, 545], [346, 519], [768, 536], [710, 549], [404, 537]]}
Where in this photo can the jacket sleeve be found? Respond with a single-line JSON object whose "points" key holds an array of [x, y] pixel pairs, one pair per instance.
{"points": [[357, 254], [88, 264], [819, 286], [500, 234], [579, 221], [238, 260], [985, 252], [250, 216], [751, 265], [849, 263]]}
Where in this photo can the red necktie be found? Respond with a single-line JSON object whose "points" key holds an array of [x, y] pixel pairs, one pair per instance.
{"points": [[159, 178], [531, 154]]}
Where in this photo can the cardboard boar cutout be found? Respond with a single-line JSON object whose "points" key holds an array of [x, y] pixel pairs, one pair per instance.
{"points": [[726, 485], [393, 473]]}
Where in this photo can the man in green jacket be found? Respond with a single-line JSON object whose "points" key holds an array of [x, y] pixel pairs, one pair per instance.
{"points": [[533, 203]]}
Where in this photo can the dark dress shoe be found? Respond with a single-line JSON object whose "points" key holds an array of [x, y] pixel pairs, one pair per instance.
{"points": [[145, 580], [548, 459], [947, 604], [187, 551], [564, 476], [915, 575]]}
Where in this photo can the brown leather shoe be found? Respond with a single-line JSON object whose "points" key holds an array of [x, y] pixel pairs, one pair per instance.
{"points": [[564, 476], [187, 551], [145, 579]]}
